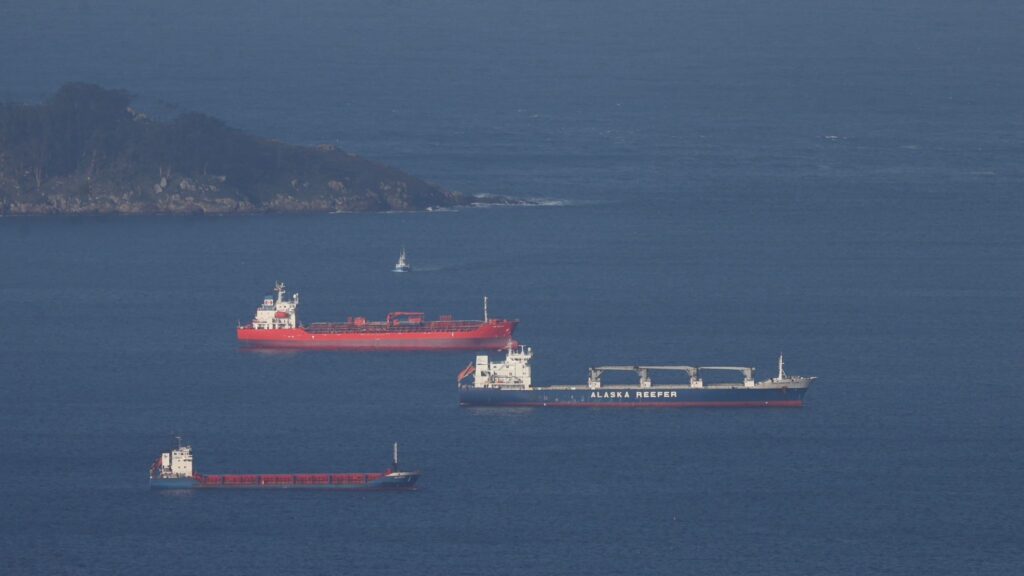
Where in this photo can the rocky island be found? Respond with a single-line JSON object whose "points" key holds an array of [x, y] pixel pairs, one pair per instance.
{"points": [[86, 151]]}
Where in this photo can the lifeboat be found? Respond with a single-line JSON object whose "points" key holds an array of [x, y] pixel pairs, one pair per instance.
{"points": [[281, 314]]}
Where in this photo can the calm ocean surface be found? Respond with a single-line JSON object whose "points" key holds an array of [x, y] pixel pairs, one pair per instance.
{"points": [[837, 181]]}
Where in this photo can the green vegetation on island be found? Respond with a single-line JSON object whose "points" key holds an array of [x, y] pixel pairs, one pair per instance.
{"points": [[85, 150]]}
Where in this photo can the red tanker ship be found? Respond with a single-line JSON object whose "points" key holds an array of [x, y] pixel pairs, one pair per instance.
{"points": [[276, 326]]}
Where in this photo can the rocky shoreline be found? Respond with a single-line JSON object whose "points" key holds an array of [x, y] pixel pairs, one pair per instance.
{"points": [[86, 151], [178, 204]]}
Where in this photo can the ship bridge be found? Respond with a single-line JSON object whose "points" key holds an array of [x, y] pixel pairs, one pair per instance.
{"points": [[594, 381]]}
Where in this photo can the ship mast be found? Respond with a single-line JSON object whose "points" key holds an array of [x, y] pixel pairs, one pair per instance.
{"points": [[485, 308], [782, 373], [394, 460]]}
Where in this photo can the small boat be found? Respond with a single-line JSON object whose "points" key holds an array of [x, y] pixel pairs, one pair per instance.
{"points": [[402, 265]]}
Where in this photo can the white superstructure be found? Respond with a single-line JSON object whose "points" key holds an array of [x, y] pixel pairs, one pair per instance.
{"points": [[177, 463], [514, 372], [277, 314]]}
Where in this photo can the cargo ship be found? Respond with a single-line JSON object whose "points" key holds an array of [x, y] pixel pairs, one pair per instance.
{"points": [[173, 470], [276, 326], [509, 383]]}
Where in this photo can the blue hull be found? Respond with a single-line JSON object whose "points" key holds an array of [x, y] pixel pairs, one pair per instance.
{"points": [[402, 482], [633, 397], [172, 483]]}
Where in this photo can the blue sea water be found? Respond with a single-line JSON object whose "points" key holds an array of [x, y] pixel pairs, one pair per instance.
{"points": [[837, 181]]}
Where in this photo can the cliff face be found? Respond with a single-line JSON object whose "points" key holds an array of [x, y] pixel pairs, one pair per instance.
{"points": [[86, 151]]}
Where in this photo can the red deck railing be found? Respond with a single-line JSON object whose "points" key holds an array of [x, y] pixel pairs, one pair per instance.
{"points": [[382, 327], [286, 479]]}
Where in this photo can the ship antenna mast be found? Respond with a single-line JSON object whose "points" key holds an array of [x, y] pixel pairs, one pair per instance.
{"points": [[485, 308]]}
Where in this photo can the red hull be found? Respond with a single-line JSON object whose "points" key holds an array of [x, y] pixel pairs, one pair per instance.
{"points": [[766, 404], [490, 335]]}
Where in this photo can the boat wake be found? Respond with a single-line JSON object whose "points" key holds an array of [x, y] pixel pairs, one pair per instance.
{"points": [[483, 201], [491, 201]]}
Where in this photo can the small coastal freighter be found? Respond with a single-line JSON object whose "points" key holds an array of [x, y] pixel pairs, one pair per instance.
{"points": [[276, 326], [509, 383], [173, 470], [402, 265]]}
